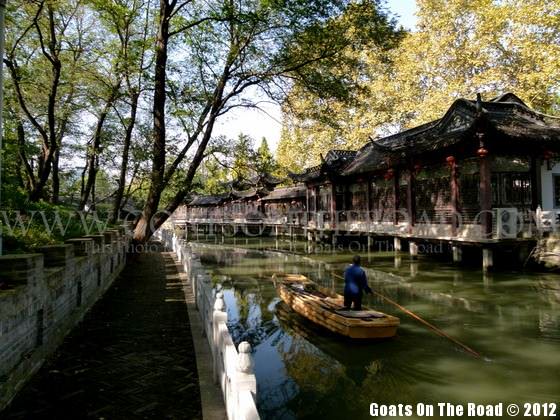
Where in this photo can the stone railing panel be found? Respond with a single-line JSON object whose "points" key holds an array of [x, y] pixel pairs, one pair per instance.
{"points": [[232, 368]]}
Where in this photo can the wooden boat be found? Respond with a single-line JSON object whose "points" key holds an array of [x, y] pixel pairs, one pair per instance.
{"points": [[326, 308]]}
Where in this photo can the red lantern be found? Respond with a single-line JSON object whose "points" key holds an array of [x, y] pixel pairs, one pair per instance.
{"points": [[482, 152], [450, 160], [389, 174], [548, 154], [417, 168]]}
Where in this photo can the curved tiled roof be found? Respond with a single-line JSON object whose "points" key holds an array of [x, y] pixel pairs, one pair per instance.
{"points": [[297, 191], [333, 163], [208, 200], [507, 115]]}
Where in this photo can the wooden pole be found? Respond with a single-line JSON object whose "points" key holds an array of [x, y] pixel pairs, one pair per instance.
{"points": [[423, 321], [426, 323]]}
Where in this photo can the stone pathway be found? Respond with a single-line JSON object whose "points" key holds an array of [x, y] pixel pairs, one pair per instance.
{"points": [[132, 357]]}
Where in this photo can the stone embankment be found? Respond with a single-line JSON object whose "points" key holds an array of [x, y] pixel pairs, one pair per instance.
{"points": [[45, 295]]}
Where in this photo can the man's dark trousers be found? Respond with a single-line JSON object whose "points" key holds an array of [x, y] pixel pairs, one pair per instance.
{"points": [[351, 298]]}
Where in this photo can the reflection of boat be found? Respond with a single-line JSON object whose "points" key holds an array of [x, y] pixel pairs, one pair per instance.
{"points": [[329, 343], [326, 308]]}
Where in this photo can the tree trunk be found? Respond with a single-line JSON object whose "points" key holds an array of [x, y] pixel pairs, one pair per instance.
{"points": [[83, 178], [55, 179], [117, 204], [142, 231], [22, 154], [147, 226], [48, 133], [93, 156]]}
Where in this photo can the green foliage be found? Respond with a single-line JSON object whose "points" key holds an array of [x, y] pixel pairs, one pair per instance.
{"points": [[217, 54], [243, 158], [36, 224], [265, 162], [234, 164], [460, 48]]}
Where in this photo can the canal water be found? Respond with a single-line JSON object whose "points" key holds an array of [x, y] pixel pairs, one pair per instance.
{"points": [[511, 318]]}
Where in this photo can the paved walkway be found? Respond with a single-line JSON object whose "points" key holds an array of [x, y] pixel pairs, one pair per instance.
{"points": [[132, 357]]}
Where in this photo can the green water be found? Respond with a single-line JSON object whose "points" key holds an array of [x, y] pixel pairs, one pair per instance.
{"points": [[511, 318]]}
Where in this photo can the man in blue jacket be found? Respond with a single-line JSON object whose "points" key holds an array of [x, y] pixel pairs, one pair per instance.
{"points": [[355, 282]]}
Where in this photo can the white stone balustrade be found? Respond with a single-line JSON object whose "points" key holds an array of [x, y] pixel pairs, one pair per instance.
{"points": [[232, 368]]}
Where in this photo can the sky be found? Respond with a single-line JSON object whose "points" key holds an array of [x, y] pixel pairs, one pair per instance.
{"points": [[268, 123]]}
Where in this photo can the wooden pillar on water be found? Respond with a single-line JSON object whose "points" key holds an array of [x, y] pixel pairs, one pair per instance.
{"points": [[332, 209], [485, 186], [411, 198], [454, 186], [316, 190], [536, 186], [397, 198], [487, 259], [368, 205], [413, 250], [457, 253], [307, 212], [413, 268]]}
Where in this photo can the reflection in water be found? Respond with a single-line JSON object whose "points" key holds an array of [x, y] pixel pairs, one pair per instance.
{"points": [[487, 280], [413, 269], [306, 372]]}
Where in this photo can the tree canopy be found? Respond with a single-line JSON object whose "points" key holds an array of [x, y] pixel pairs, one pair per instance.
{"points": [[118, 99], [460, 48]]}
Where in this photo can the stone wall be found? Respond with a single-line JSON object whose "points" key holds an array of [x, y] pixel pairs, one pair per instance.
{"points": [[43, 296]]}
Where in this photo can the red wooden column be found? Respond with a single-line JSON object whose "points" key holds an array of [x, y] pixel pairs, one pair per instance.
{"points": [[411, 197], [485, 187], [454, 186], [397, 200]]}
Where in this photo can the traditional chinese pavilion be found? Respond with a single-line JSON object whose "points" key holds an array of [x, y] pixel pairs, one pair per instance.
{"points": [[484, 174]]}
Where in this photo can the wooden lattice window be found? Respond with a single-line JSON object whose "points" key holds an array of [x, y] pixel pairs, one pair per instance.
{"points": [[516, 188]]}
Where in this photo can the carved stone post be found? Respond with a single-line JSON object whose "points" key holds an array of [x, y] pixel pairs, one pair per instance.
{"points": [[219, 315], [245, 378]]}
